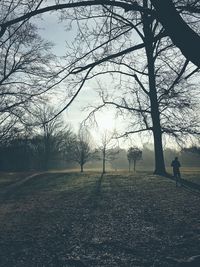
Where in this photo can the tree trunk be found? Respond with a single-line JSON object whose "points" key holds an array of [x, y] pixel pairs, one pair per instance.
{"points": [[46, 153], [134, 162], [155, 114], [104, 161], [129, 166], [81, 167]]}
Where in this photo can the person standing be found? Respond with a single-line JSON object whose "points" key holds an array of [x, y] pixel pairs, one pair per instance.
{"points": [[176, 170]]}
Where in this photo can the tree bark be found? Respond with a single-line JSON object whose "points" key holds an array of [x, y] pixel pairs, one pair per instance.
{"points": [[181, 34], [155, 114]]}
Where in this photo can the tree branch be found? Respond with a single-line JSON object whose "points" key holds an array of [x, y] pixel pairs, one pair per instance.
{"points": [[126, 6], [181, 34], [125, 107], [121, 53]]}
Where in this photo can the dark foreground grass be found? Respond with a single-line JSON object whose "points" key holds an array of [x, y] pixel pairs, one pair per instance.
{"points": [[8, 178], [87, 220]]}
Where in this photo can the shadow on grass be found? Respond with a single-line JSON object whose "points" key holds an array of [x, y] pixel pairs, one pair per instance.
{"points": [[46, 182]]}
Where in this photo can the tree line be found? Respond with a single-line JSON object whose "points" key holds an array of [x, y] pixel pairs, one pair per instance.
{"points": [[54, 145]]}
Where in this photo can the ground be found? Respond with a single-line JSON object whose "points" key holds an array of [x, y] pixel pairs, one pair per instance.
{"points": [[77, 220]]}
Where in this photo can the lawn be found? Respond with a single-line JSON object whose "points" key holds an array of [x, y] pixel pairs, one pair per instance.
{"points": [[189, 173], [7, 178], [77, 220]]}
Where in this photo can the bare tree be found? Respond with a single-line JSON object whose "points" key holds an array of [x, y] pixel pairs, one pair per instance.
{"points": [[106, 39], [8, 128], [52, 133], [133, 155], [107, 149], [82, 151], [25, 70], [17, 14], [27, 67], [153, 90], [167, 13]]}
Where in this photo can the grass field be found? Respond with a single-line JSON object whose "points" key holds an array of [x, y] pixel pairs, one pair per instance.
{"points": [[8, 178], [77, 220], [189, 173]]}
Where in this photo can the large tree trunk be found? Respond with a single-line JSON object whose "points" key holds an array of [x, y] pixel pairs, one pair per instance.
{"points": [[181, 34], [158, 150], [155, 114]]}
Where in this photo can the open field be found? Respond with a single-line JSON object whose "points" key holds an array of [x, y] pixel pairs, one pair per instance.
{"points": [[76, 220]]}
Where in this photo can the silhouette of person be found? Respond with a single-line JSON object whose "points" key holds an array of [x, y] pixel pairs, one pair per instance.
{"points": [[176, 171]]}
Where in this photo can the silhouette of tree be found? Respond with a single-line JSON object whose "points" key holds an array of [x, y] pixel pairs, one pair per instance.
{"points": [[25, 70], [107, 149], [167, 13], [109, 38], [82, 151], [151, 88], [52, 135], [17, 14], [133, 155], [192, 149], [182, 35]]}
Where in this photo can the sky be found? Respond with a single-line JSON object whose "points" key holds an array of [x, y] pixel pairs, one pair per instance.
{"points": [[51, 29]]}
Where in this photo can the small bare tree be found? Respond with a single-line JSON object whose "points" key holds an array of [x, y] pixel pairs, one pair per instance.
{"points": [[82, 147], [107, 149], [133, 155]]}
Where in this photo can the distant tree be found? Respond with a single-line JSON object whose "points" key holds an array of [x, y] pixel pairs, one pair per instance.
{"points": [[120, 161], [8, 128], [133, 155], [65, 142], [15, 149], [190, 156], [192, 149], [107, 149], [24, 149], [82, 150], [51, 133]]}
